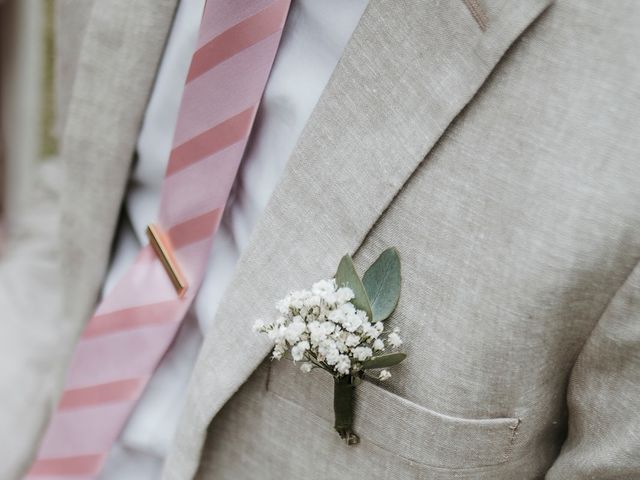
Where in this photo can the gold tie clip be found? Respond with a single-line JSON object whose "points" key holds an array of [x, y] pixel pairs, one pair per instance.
{"points": [[161, 245]]}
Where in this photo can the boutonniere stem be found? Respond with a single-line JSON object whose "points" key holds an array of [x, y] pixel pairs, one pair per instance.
{"points": [[339, 326], [343, 398]]}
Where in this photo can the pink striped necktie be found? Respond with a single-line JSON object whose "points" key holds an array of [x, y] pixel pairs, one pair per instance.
{"points": [[135, 323]]}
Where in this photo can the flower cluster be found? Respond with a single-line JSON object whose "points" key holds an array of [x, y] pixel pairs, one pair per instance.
{"points": [[323, 329]]}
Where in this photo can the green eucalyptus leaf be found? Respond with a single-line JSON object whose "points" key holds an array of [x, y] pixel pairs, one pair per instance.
{"points": [[346, 276], [382, 284], [384, 361]]}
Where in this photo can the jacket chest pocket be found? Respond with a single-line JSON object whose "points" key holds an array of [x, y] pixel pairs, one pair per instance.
{"points": [[399, 426]]}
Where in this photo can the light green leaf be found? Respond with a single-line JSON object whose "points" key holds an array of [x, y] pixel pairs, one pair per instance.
{"points": [[382, 284], [384, 361], [346, 276]]}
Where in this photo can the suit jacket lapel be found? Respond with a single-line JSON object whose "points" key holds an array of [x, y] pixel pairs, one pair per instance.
{"points": [[408, 70], [118, 59]]}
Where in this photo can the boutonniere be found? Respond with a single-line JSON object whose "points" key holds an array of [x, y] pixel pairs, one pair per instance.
{"points": [[339, 326]]}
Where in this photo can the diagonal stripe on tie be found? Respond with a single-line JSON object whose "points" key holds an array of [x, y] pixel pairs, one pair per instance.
{"points": [[76, 465], [131, 318], [239, 37], [118, 391], [216, 138]]}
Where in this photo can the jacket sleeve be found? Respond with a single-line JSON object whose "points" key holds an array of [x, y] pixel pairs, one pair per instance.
{"points": [[603, 396], [30, 338]]}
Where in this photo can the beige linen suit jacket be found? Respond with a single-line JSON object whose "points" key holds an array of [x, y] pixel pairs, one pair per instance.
{"points": [[496, 144]]}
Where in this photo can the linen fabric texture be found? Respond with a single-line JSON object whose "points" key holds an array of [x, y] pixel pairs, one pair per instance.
{"points": [[502, 165], [518, 234]]}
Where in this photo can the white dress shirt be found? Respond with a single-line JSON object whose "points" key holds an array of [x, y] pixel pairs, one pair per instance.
{"points": [[314, 37]]}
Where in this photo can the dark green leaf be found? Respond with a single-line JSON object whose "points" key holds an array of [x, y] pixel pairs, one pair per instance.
{"points": [[346, 276], [384, 361], [382, 284]]}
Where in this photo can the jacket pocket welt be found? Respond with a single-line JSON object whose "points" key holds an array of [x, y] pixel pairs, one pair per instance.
{"points": [[400, 426]]}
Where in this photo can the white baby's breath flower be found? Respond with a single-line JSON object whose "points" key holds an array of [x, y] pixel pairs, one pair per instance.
{"points": [[352, 340], [297, 299], [328, 327], [330, 299], [326, 290], [312, 301], [324, 286], [343, 365], [259, 325], [325, 346], [306, 367], [344, 294], [353, 319], [339, 314], [341, 345], [295, 330], [322, 323], [394, 339], [298, 350], [384, 375], [277, 334], [278, 352], [362, 353], [328, 351], [352, 323], [283, 305], [370, 331], [333, 356], [317, 333]]}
